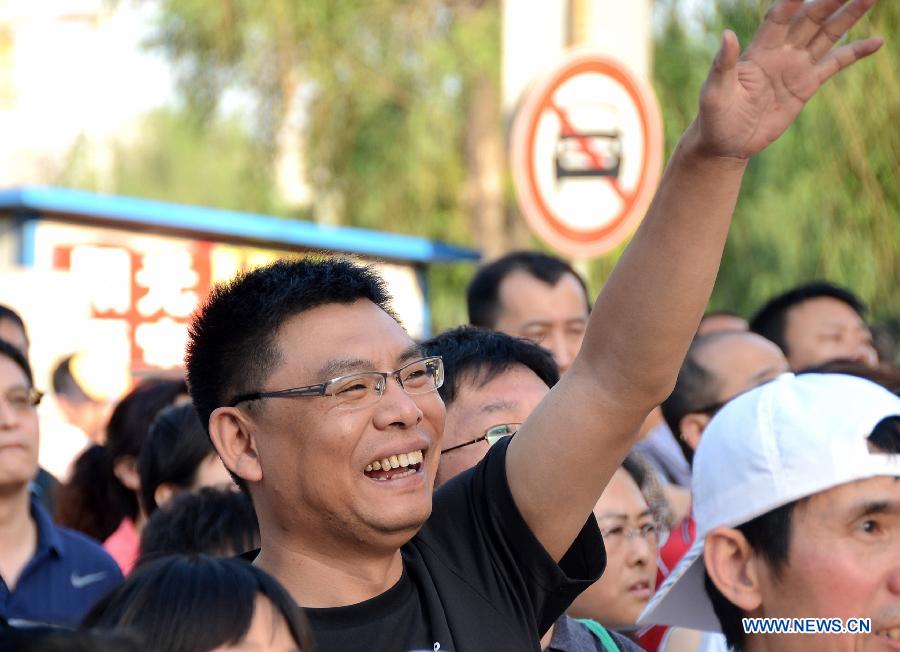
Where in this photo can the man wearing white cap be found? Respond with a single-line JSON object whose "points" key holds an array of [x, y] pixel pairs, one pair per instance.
{"points": [[797, 503]]}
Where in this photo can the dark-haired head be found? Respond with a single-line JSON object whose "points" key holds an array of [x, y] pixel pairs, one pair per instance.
{"points": [[533, 295], [815, 323], [198, 603], [224, 361], [478, 355], [177, 447], [492, 383], [105, 481], [483, 293], [56, 639], [12, 329], [210, 521], [13, 353]]}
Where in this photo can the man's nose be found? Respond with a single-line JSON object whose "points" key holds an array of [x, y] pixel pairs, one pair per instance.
{"points": [[397, 407], [562, 351]]}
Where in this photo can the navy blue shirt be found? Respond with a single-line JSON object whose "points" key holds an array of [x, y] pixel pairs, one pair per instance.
{"points": [[68, 573]]}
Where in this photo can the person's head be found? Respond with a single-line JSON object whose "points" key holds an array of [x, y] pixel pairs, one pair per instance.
{"points": [[722, 321], [177, 456], [12, 329], [18, 420], [631, 536], [717, 367], [796, 491], [195, 603], [307, 456], [492, 383], [79, 408], [533, 295], [210, 521], [816, 323], [105, 482]]}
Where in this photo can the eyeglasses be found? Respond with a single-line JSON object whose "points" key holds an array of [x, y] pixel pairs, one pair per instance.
{"points": [[617, 535], [363, 389], [492, 435], [24, 400]]}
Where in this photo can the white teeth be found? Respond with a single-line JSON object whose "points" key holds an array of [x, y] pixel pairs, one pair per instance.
{"points": [[396, 461], [893, 634]]}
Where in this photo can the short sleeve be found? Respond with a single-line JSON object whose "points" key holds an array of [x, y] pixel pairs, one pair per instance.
{"points": [[477, 531]]}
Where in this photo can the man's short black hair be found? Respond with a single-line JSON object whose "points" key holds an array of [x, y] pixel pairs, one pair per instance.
{"points": [[480, 355], [770, 535], [771, 320], [14, 354], [209, 521], [232, 342], [483, 293], [695, 388]]}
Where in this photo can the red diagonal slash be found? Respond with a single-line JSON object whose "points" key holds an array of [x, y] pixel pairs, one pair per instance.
{"points": [[585, 145]]}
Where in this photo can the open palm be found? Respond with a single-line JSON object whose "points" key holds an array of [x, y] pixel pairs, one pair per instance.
{"points": [[747, 102]]}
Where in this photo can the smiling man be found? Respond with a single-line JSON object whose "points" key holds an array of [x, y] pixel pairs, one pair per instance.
{"points": [[306, 380]]}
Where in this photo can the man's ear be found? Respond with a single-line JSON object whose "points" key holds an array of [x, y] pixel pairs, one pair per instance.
{"points": [[230, 432], [692, 426], [733, 568], [125, 469]]}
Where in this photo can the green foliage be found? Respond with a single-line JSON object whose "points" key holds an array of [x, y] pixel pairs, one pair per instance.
{"points": [[824, 201], [175, 158]]}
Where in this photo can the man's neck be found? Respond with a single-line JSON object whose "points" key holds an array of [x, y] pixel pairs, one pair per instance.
{"points": [[317, 580], [18, 533]]}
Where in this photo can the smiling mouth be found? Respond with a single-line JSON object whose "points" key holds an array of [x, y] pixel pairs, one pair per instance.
{"points": [[395, 466], [893, 633]]}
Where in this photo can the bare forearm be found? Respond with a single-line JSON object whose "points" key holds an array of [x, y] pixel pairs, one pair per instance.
{"points": [[649, 309]]}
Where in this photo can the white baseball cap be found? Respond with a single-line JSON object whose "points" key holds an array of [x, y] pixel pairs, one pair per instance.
{"points": [[791, 438]]}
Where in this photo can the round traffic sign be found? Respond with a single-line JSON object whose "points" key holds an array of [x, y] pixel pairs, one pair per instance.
{"points": [[586, 154]]}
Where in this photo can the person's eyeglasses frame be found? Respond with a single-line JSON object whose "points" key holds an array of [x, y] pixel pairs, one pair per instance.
{"points": [[639, 532], [33, 400], [321, 389], [486, 436]]}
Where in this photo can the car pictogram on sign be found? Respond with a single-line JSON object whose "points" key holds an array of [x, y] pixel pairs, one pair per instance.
{"points": [[595, 151]]}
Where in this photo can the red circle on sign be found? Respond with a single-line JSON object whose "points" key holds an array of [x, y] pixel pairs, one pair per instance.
{"points": [[540, 216]]}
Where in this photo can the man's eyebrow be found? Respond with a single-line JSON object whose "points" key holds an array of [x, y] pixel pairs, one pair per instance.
{"points": [[874, 507], [337, 367], [412, 353], [496, 406]]}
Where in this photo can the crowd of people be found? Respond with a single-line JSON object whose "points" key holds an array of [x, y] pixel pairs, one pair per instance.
{"points": [[562, 474]]}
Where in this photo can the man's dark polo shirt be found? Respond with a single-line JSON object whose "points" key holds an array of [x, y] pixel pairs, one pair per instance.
{"points": [[68, 573]]}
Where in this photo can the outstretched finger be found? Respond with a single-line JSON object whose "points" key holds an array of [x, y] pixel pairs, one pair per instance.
{"points": [[838, 25], [810, 19], [846, 55], [774, 28]]}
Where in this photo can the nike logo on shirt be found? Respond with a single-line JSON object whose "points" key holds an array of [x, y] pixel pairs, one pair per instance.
{"points": [[81, 581]]}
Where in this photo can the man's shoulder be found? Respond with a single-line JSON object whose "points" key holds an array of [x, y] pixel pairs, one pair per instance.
{"points": [[85, 551]]}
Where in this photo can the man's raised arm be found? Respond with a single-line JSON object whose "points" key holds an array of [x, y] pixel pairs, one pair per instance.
{"points": [[563, 456]]}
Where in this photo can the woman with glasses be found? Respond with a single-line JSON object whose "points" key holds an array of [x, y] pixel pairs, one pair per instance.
{"points": [[630, 521]]}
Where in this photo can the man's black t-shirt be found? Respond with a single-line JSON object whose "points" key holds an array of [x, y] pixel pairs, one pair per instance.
{"points": [[475, 578]]}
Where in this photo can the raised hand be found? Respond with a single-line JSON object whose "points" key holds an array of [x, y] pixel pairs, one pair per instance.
{"points": [[747, 102]]}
